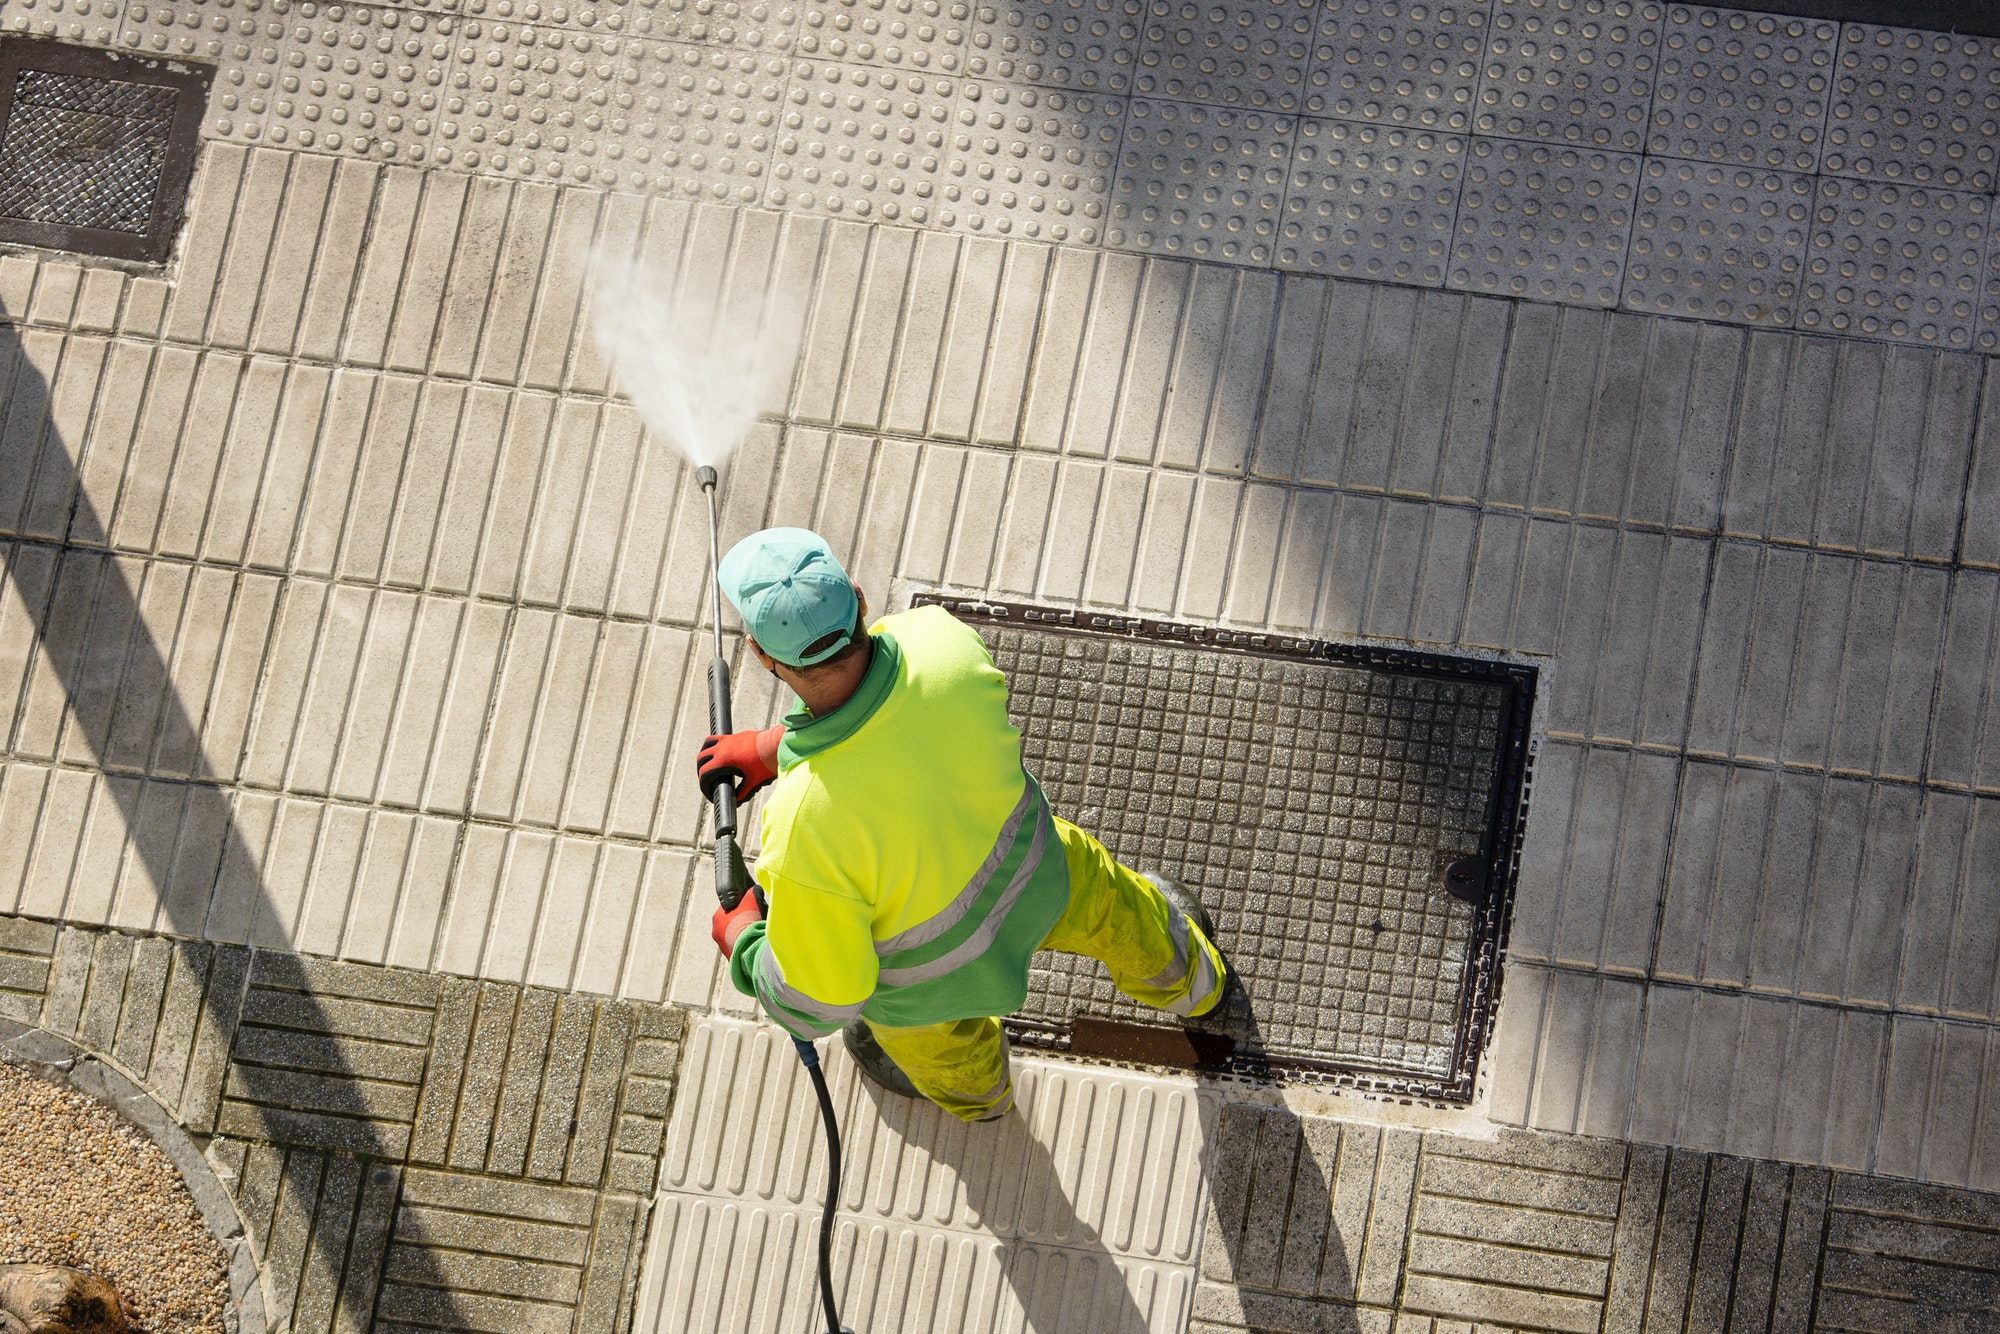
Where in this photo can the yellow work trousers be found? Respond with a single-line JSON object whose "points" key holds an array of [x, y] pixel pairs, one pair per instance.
{"points": [[1155, 956]]}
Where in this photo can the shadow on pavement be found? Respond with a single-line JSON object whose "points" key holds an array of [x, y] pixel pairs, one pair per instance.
{"points": [[1258, 1223], [180, 826]]}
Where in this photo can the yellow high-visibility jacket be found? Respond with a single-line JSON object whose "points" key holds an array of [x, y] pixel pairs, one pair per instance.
{"points": [[910, 862]]}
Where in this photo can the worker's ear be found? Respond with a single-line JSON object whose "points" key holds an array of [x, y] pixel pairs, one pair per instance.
{"points": [[862, 598], [770, 663]]}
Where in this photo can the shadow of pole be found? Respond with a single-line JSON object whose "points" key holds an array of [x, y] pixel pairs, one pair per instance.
{"points": [[86, 620]]}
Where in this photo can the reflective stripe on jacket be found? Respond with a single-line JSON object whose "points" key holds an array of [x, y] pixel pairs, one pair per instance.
{"points": [[911, 864]]}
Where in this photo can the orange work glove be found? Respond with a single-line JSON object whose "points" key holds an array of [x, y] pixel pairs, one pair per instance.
{"points": [[728, 923], [747, 759]]}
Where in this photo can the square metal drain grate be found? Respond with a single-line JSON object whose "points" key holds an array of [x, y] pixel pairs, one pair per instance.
{"points": [[95, 148], [1317, 797]]}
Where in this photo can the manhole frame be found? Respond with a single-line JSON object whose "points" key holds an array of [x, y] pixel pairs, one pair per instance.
{"points": [[191, 82], [1486, 949]]}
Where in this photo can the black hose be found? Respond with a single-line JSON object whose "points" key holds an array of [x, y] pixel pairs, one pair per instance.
{"points": [[732, 879], [810, 1055]]}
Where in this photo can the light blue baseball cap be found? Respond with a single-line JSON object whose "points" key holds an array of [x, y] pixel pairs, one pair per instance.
{"points": [[791, 593]]}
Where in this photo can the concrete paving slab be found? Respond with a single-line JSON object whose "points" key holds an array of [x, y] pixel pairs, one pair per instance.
{"points": [[1098, 1173], [1374, 202], [1567, 245], [1396, 65], [1860, 227], [1537, 47], [1884, 75], [1716, 241], [1254, 58], [1087, 45], [1773, 80], [333, 1218], [1171, 196]]}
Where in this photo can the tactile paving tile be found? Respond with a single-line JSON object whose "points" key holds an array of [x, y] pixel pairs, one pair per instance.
{"points": [[1371, 201], [609, 16], [928, 35], [761, 25], [1249, 53], [1540, 221], [1033, 162], [1987, 335], [1206, 182], [91, 21], [1888, 261], [1400, 61], [1311, 806], [1743, 88], [1089, 45], [697, 121], [531, 101], [864, 143], [1575, 71], [343, 78], [1721, 242], [1922, 107], [247, 42]]}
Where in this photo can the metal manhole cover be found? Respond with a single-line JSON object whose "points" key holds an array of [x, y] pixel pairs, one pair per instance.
{"points": [[1317, 797], [95, 148]]}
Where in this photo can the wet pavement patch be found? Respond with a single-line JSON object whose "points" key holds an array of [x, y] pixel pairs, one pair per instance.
{"points": [[1350, 816]]}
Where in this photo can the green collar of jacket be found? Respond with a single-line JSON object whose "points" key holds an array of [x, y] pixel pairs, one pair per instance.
{"points": [[806, 735]]}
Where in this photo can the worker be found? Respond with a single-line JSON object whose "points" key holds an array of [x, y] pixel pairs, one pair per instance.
{"points": [[910, 862]]}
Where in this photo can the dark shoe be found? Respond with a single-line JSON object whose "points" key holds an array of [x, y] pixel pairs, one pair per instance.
{"points": [[875, 1063], [1183, 901]]}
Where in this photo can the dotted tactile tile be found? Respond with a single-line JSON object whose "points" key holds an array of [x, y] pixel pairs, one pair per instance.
{"points": [[1320, 862], [1749, 89], [756, 24], [1371, 201], [932, 36], [1250, 53], [1719, 242], [1987, 335], [1921, 107], [610, 16], [1540, 221], [1033, 162], [1889, 261], [697, 122], [1088, 45], [1574, 71], [531, 101], [1401, 61], [366, 80], [329, 78], [246, 40], [94, 22], [1204, 182], [866, 143]]}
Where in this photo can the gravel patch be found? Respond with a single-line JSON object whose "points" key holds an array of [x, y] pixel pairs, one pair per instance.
{"points": [[80, 1186]]}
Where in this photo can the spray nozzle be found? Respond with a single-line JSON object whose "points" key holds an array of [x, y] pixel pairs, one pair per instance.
{"points": [[704, 477]]}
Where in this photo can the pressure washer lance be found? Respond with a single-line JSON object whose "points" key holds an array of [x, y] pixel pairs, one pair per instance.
{"points": [[732, 881]]}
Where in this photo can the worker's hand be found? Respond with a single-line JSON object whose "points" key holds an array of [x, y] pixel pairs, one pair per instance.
{"points": [[728, 923], [748, 759]]}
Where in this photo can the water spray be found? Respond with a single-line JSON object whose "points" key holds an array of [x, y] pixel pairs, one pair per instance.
{"points": [[733, 881]]}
